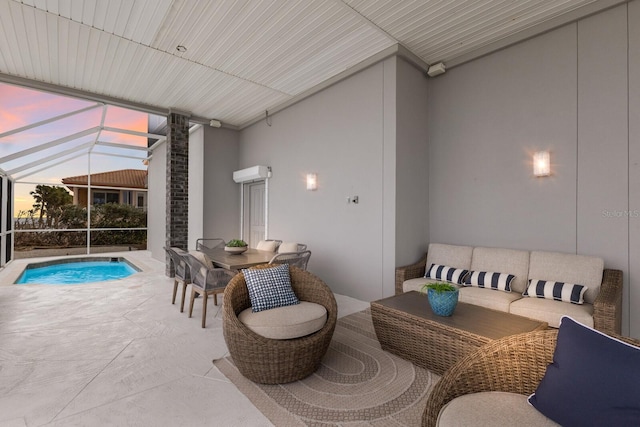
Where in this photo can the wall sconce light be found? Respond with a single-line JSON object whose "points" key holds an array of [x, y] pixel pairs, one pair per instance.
{"points": [[312, 181], [541, 163]]}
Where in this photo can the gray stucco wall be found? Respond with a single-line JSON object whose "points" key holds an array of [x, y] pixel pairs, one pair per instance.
{"points": [[221, 196], [156, 214], [196, 185], [634, 166], [603, 142], [338, 134], [565, 91], [486, 119], [412, 170], [352, 135]]}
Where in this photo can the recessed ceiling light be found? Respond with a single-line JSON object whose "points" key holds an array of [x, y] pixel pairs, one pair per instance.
{"points": [[181, 48]]}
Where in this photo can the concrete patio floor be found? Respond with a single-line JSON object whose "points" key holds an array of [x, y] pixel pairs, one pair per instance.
{"points": [[115, 353]]}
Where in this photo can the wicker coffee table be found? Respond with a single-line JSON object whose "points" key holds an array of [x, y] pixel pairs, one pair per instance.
{"points": [[406, 326]]}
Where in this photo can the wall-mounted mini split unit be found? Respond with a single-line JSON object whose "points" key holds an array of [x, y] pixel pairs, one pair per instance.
{"points": [[436, 69], [251, 174]]}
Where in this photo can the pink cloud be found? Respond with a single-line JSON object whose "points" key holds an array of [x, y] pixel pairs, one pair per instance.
{"points": [[21, 106], [10, 120], [123, 118]]}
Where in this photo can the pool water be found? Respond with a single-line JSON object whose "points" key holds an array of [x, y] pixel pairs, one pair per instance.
{"points": [[75, 273]]}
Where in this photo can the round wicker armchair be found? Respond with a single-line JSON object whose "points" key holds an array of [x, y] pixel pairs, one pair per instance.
{"points": [[271, 361], [514, 364]]}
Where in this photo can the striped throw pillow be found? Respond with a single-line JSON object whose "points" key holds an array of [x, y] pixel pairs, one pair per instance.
{"points": [[443, 272], [489, 279], [559, 291]]}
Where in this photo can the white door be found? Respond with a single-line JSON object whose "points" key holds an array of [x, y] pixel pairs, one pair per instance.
{"points": [[254, 212]]}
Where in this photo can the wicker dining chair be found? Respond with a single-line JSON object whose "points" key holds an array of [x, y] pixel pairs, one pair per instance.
{"points": [[206, 281], [296, 259], [514, 364], [273, 361], [211, 243], [182, 273]]}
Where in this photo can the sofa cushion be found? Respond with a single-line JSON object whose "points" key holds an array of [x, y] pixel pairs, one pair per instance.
{"points": [[560, 267], [451, 255], [486, 298], [551, 311], [509, 261], [417, 284], [593, 374], [490, 280], [446, 273], [292, 321], [270, 287], [558, 291], [491, 408]]}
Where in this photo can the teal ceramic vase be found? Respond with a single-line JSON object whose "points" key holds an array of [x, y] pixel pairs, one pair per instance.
{"points": [[443, 303]]}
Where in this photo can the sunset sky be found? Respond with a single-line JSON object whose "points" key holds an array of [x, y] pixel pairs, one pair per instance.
{"points": [[20, 107]]}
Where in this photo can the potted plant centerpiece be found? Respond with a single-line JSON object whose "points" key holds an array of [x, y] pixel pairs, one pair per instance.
{"points": [[236, 246], [443, 297]]}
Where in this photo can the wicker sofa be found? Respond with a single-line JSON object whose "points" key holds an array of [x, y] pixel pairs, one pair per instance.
{"points": [[515, 364], [603, 299]]}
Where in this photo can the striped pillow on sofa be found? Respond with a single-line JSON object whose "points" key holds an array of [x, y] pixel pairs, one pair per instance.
{"points": [[443, 272], [559, 291], [490, 279]]}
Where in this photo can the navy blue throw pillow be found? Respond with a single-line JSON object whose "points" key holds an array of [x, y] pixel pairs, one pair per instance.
{"points": [[594, 380], [269, 288]]}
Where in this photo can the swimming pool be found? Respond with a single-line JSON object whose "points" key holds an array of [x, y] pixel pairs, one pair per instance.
{"points": [[77, 271]]}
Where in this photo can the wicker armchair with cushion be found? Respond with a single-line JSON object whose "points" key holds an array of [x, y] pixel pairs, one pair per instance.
{"points": [[514, 364], [275, 361]]}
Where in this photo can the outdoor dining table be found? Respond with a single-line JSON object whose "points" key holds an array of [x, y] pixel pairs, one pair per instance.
{"points": [[220, 258]]}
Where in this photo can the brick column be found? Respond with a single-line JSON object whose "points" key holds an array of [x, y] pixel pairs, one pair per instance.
{"points": [[177, 187]]}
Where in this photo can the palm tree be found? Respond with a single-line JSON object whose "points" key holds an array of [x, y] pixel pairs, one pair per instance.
{"points": [[49, 201]]}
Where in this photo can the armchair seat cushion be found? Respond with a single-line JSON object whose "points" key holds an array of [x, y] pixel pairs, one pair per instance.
{"points": [[492, 408], [292, 321], [488, 298], [551, 311]]}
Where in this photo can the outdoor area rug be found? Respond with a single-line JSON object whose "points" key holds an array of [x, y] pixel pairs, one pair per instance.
{"points": [[357, 384]]}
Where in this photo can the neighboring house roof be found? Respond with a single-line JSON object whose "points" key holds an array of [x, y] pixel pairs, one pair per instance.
{"points": [[125, 178]]}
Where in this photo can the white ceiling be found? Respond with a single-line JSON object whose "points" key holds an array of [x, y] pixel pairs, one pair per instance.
{"points": [[247, 56]]}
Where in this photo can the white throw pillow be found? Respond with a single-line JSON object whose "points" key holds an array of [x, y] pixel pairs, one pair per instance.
{"points": [[288, 247], [266, 245]]}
